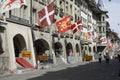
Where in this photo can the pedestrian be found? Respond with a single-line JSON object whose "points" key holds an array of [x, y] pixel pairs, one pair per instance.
{"points": [[100, 57], [119, 57], [119, 73], [107, 57]]}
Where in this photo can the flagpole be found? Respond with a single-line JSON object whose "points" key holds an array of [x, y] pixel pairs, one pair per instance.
{"points": [[32, 33], [31, 13]]}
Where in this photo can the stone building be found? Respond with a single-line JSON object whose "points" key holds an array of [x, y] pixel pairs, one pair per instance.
{"points": [[20, 35]]}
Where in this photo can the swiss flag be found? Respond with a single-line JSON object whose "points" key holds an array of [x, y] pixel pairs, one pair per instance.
{"points": [[46, 15], [64, 24], [77, 26]]}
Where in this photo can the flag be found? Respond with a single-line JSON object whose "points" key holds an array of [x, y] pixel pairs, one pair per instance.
{"points": [[46, 15], [64, 24], [84, 30], [93, 33], [103, 40], [89, 33], [110, 44], [77, 26], [86, 36], [6, 5], [94, 36]]}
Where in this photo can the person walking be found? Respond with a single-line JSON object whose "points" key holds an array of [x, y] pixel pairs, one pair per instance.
{"points": [[100, 58], [107, 57], [118, 57]]}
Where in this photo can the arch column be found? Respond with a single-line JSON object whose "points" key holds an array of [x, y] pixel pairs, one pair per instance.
{"points": [[10, 49]]}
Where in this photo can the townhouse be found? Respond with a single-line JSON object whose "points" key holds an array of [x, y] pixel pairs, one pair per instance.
{"points": [[23, 41]]}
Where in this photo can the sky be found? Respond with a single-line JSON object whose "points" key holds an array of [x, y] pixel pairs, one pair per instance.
{"points": [[113, 9]]}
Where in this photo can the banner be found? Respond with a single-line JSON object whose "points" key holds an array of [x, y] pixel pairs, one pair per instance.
{"points": [[6, 5], [77, 26], [64, 24], [46, 15]]}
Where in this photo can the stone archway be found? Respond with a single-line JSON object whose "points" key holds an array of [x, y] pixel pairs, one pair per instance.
{"points": [[43, 51], [69, 49], [94, 49], [58, 49], [90, 49], [41, 46], [19, 44], [1, 48], [77, 48]]}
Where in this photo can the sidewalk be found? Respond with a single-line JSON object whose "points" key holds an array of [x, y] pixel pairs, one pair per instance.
{"points": [[40, 72]]}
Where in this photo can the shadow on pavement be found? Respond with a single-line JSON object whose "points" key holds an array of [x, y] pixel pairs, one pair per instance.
{"points": [[90, 71]]}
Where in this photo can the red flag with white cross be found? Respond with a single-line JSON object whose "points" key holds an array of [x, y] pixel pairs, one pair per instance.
{"points": [[46, 15], [77, 26]]}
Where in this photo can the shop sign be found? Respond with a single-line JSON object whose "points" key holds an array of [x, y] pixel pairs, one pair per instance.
{"points": [[26, 54]]}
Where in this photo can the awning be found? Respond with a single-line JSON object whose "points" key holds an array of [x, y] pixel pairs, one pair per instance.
{"points": [[24, 63]]}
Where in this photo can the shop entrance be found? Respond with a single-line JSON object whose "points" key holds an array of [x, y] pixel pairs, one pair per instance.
{"points": [[19, 44]]}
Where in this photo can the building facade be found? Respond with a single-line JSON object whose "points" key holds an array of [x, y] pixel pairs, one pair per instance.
{"points": [[19, 33]]}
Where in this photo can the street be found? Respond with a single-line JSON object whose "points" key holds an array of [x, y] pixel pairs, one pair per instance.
{"points": [[91, 71], [87, 71]]}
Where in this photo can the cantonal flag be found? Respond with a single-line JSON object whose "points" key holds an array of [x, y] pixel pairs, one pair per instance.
{"points": [[46, 15], [77, 26], [64, 24], [6, 5]]}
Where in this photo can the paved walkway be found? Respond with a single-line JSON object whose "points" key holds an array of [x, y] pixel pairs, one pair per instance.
{"points": [[39, 72], [76, 71]]}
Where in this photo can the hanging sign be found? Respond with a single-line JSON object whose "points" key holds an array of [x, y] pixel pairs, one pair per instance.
{"points": [[26, 54]]}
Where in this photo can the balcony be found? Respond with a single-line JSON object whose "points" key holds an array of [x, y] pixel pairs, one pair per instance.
{"points": [[18, 20], [101, 23]]}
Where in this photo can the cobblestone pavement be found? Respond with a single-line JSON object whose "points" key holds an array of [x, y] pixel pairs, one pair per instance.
{"points": [[77, 71]]}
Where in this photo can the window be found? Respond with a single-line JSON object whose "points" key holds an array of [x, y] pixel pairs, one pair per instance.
{"points": [[103, 18], [23, 11], [10, 12], [104, 30], [75, 17], [60, 2], [66, 8], [34, 15], [85, 48], [100, 29]]}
